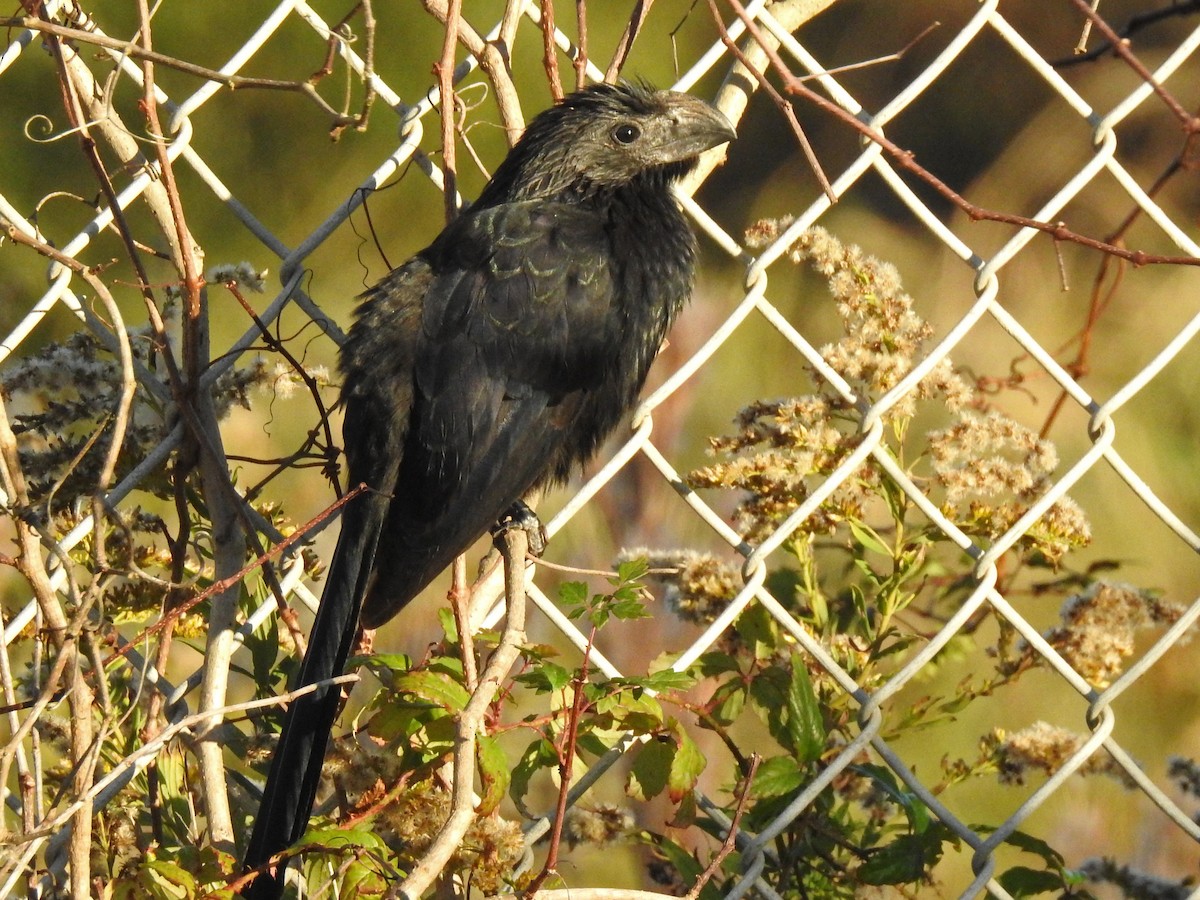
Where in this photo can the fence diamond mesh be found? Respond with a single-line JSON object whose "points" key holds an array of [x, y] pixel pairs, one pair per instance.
{"points": [[1036, 199]]}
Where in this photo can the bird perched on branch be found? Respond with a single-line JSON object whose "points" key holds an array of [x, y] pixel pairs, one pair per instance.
{"points": [[493, 362]]}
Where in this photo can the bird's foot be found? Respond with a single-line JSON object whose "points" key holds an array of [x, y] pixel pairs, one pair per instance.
{"points": [[519, 515]]}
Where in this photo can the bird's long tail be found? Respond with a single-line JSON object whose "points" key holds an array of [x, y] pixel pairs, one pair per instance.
{"points": [[296, 766]]}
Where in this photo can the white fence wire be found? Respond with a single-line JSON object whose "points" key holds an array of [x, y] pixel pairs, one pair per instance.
{"points": [[1095, 156]]}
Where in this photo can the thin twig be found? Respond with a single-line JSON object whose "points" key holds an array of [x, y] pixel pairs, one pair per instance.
{"points": [[633, 28], [495, 62], [1190, 123], [444, 69], [1081, 46], [143, 54], [184, 725], [581, 45], [794, 84], [1177, 8], [460, 603], [470, 720], [566, 765], [781, 104], [550, 50], [730, 841]]}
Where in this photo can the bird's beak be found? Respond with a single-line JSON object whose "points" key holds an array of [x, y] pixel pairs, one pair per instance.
{"points": [[696, 127]]}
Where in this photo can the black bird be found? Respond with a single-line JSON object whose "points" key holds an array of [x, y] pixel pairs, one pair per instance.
{"points": [[492, 362]]}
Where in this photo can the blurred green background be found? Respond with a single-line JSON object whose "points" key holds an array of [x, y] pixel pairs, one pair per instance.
{"points": [[989, 127]]}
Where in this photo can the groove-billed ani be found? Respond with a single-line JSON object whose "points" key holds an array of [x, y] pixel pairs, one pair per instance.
{"points": [[492, 362]]}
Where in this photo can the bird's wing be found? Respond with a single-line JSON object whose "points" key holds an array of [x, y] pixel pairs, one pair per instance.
{"points": [[515, 327]]}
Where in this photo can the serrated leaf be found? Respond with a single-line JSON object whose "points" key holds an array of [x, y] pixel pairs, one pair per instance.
{"points": [[547, 678], [624, 592], [264, 649], [629, 609], [537, 756], [593, 743], [359, 880], [169, 873], [667, 680], [805, 725], [1021, 881], [758, 628], [777, 777], [729, 701], [906, 859], [687, 866], [914, 808], [494, 773], [713, 664], [651, 770], [401, 720], [768, 693], [382, 664], [337, 838], [632, 570], [572, 593], [1036, 846], [437, 688], [686, 767], [686, 812], [449, 625], [630, 701]]}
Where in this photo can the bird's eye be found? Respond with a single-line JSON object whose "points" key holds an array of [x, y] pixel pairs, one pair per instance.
{"points": [[626, 133]]}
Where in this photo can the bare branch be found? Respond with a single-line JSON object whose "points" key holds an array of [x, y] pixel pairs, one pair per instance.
{"points": [[449, 838]]}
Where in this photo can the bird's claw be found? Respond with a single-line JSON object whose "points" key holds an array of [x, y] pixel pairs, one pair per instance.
{"points": [[519, 515]]}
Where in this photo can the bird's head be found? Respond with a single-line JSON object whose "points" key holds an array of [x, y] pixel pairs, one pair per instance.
{"points": [[604, 137]]}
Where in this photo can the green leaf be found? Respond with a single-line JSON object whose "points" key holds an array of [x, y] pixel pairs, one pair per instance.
{"points": [[547, 678], [651, 770], [449, 626], [359, 880], [768, 692], [728, 701], [631, 570], [866, 537], [573, 594], [383, 665], [712, 664], [777, 777], [758, 629], [914, 808], [686, 767], [688, 867], [437, 688], [636, 710], [397, 720], [1036, 846], [170, 878], [493, 773], [667, 680], [805, 724], [906, 859], [595, 744], [629, 609], [264, 650], [1021, 881], [342, 838], [538, 755], [686, 812]]}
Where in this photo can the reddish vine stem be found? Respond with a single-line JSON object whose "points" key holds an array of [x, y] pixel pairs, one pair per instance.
{"points": [[565, 766], [906, 160]]}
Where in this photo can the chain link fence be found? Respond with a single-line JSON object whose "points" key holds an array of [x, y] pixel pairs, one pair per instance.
{"points": [[1003, 296]]}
